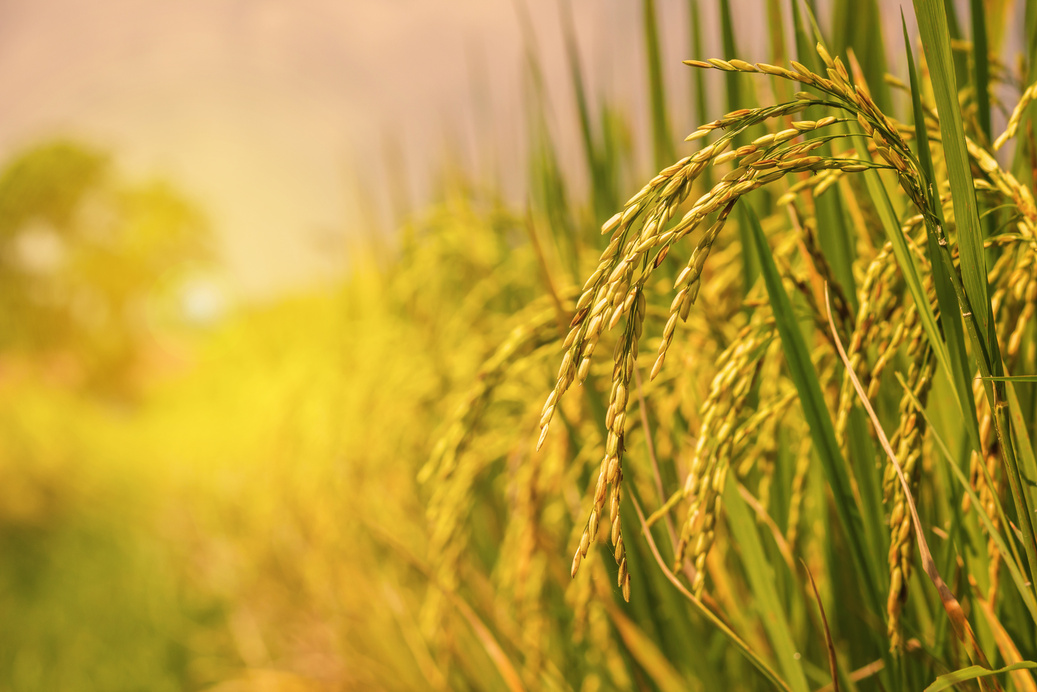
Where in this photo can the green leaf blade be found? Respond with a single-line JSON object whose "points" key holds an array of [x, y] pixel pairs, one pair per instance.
{"points": [[759, 572], [932, 23], [949, 680], [815, 410]]}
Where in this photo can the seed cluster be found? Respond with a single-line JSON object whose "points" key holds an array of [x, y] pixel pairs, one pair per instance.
{"points": [[670, 280], [454, 472], [907, 443], [1017, 115], [717, 444], [884, 326], [882, 320], [641, 239]]}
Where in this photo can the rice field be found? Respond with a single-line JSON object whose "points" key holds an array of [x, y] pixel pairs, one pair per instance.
{"points": [[759, 418]]}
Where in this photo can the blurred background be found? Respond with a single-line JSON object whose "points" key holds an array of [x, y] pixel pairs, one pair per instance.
{"points": [[271, 115], [252, 257]]}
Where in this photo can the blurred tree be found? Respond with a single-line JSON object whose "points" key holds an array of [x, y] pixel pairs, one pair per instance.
{"points": [[81, 253]]}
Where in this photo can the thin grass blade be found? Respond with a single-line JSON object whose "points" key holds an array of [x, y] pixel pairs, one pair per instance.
{"points": [[732, 80], [819, 419], [951, 355], [698, 77], [981, 61], [731, 635], [645, 652], [776, 39], [759, 572], [598, 176], [833, 231], [1007, 547], [1006, 645], [949, 680], [833, 664], [950, 603], [932, 23], [661, 139], [857, 24]]}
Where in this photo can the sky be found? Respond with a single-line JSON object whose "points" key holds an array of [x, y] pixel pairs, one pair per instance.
{"points": [[265, 112], [272, 114]]}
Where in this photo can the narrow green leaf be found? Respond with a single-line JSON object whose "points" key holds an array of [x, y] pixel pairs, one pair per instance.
{"points": [[1008, 548], [949, 680], [661, 139], [750, 265], [1031, 40], [961, 61], [698, 83], [925, 157], [812, 16], [643, 649], [822, 432], [905, 259], [598, 175], [932, 23], [776, 39], [981, 60], [863, 457], [972, 290], [857, 24], [661, 614], [1023, 446], [698, 77], [805, 52], [737, 99], [837, 241], [732, 80], [1022, 501], [759, 572], [1022, 162], [833, 232], [708, 614], [953, 351]]}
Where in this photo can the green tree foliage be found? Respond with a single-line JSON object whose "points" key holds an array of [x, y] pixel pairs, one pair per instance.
{"points": [[81, 254]]}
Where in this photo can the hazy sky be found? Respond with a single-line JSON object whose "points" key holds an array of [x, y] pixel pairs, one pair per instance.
{"points": [[262, 110], [265, 111]]}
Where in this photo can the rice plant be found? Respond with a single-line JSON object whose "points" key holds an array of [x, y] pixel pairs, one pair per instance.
{"points": [[772, 429], [822, 476]]}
